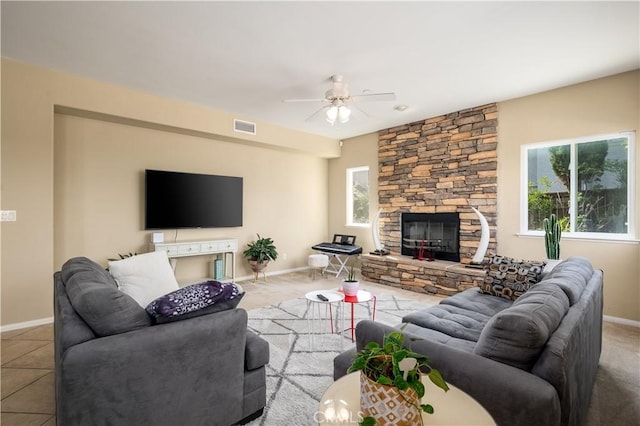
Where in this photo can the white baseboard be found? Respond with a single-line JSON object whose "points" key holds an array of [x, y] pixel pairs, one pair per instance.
{"points": [[622, 321], [270, 274], [26, 324]]}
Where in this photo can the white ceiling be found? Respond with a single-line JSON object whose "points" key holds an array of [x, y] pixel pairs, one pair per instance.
{"points": [[246, 57]]}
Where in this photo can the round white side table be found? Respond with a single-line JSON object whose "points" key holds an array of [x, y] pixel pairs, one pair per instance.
{"points": [[315, 317], [340, 404]]}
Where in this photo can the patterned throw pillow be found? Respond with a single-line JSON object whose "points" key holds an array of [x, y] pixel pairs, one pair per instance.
{"points": [[510, 278], [195, 300]]}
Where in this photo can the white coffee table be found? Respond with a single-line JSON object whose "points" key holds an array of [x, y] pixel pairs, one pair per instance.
{"points": [[315, 317], [340, 404]]}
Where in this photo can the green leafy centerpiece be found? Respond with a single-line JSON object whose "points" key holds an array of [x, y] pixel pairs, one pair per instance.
{"points": [[391, 387]]}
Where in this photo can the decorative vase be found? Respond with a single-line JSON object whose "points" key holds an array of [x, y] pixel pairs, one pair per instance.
{"points": [[258, 267], [388, 404], [350, 288]]}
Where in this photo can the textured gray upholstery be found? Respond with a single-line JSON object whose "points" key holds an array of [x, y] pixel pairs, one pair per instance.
{"points": [[516, 335], [207, 370], [554, 386], [95, 296]]}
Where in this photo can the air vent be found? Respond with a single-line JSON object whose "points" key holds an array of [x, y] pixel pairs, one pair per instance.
{"points": [[244, 127]]}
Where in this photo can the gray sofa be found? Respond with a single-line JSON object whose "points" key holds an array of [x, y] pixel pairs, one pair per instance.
{"points": [[532, 361], [114, 367]]}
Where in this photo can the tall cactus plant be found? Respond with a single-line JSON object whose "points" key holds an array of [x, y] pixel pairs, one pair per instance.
{"points": [[552, 234]]}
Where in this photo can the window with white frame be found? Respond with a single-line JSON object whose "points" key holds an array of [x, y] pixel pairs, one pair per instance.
{"points": [[358, 196], [588, 183]]}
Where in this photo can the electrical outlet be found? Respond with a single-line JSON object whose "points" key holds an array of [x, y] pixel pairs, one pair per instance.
{"points": [[284, 256], [7, 215]]}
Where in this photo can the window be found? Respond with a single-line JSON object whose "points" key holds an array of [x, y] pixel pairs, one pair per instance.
{"points": [[358, 196], [587, 183]]}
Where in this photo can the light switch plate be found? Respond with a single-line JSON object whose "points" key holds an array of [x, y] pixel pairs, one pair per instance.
{"points": [[7, 215]]}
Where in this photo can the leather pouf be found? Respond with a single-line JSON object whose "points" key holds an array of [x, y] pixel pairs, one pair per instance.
{"points": [[389, 405]]}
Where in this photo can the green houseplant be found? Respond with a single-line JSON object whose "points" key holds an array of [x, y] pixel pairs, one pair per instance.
{"points": [[552, 235], [393, 365], [350, 285], [259, 253]]}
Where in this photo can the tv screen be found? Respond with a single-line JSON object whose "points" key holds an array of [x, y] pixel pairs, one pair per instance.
{"points": [[188, 200]]}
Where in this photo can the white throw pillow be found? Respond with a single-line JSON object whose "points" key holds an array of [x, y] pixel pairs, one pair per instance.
{"points": [[144, 277]]}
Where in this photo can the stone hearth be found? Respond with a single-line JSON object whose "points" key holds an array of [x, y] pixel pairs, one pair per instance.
{"points": [[436, 277]]}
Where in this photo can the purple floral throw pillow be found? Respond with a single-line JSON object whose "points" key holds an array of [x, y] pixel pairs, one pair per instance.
{"points": [[195, 300]]}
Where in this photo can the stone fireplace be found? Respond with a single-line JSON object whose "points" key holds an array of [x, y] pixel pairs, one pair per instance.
{"points": [[431, 236], [442, 165]]}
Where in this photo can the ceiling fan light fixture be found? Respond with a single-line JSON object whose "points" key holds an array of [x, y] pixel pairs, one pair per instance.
{"points": [[332, 114], [344, 113]]}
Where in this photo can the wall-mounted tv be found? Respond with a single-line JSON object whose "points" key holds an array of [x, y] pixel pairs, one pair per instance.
{"points": [[188, 200]]}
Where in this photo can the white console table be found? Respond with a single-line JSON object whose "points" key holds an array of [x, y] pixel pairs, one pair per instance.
{"points": [[226, 247]]}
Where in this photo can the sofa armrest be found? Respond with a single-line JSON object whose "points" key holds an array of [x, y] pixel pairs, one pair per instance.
{"points": [[510, 395], [256, 352], [197, 364]]}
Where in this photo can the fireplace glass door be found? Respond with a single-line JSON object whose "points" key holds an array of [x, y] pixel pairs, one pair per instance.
{"points": [[431, 236]]}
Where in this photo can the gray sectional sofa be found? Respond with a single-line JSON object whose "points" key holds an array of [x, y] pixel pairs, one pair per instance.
{"points": [[114, 367], [532, 361]]}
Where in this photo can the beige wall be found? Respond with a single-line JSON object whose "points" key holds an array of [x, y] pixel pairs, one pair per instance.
{"points": [[104, 156], [601, 106], [137, 124], [596, 107], [356, 152]]}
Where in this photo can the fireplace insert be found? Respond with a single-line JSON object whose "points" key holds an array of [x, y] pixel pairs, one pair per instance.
{"points": [[431, 236]]}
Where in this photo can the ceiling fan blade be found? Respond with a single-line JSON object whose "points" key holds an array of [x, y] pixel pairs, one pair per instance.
{"points": [[370, 97], [360, 110], [315, 114], [305, 100]]}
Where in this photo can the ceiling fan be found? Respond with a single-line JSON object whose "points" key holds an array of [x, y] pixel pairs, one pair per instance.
{"points": [[338, 101]]}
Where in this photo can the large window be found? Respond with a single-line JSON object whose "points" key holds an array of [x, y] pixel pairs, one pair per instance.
{"points": [[587, 183], [358, 196]]}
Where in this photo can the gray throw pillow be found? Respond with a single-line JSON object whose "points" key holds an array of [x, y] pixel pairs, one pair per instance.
{"points": [[94, 295], [516, 335]]}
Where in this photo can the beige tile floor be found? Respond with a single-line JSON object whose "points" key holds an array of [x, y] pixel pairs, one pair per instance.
{"points": [[27, 375]]}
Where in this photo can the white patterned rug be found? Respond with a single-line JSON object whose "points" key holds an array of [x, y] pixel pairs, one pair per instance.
{"points": [[297, 376]]}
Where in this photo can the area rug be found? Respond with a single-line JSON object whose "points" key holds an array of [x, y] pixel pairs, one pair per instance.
{"points": [[298, 375]]}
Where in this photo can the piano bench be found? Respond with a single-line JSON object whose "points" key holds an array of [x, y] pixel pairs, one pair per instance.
{"points": [[318, 261]]}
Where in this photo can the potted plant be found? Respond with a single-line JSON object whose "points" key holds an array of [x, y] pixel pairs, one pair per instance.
{"points": [[552, 235], [350, 285], [259, 253], [383, 368]]}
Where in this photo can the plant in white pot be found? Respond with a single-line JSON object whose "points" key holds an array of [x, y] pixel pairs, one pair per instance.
{"points": [[552, 235], [350, 285]]}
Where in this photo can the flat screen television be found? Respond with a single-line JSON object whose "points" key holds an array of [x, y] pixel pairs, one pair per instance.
{"points": [[188, 200]]}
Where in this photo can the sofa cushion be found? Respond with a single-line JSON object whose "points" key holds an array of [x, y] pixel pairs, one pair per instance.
{"points": [[572, 276], [96, 298], [454, 321], [144, 277], [414, 332], [474, 300], [195, 300], [517, 335], [510, 278]]}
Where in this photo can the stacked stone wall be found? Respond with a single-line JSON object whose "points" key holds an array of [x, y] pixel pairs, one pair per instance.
{"points": [[442, 164]]}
